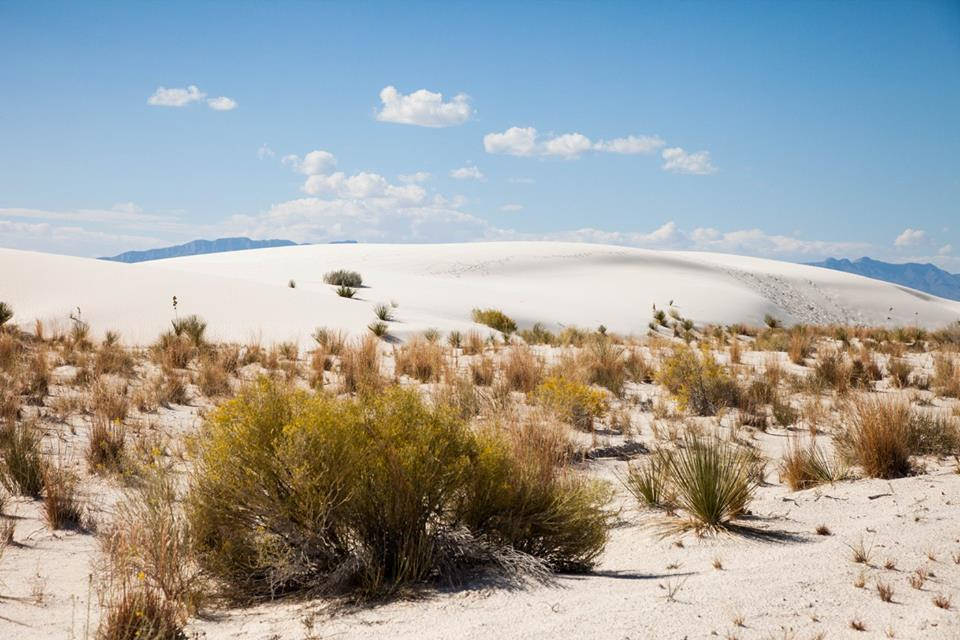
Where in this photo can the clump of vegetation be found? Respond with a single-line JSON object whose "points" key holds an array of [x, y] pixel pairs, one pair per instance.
{"points": [[482, 371], [383, 312], [61, 507], [832, 371], [700, 384], [107, 445], [343, 278], [360, 366], [801, 344], [605, 365], [712, 482], [6, 313], [421, 359], [771, 321], [495, 319], [332, 341], [193, 327], [370, 495], [648, 482], [807, 466], [379, 329], [22, 465], [522, 370], [573, 402], [346, 292]]}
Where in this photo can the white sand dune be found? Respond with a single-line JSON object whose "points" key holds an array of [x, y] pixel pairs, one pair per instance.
{"points": [[245, 294]]}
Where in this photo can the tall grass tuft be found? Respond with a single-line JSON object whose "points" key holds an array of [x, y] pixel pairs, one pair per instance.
{"points": [[807, 466], [22, 465], [877, 437]]}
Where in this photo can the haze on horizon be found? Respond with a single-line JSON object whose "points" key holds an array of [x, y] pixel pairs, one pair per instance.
{"points": [[794, 131]]}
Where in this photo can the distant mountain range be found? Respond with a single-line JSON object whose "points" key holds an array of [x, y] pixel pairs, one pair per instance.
{"points": [[922, 277], [197, 247]]}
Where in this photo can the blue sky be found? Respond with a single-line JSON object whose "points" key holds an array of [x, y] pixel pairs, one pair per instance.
{"points": [[792, 130]]}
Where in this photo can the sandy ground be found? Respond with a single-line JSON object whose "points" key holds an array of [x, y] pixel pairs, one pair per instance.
{"points": [[245, 295]]}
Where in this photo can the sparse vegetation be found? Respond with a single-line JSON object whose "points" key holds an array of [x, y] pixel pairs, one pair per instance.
{"points": [[495, 319], [343, 278]]}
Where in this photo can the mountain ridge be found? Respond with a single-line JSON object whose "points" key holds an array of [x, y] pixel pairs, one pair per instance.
{"points": [[924, 277], [197, 247]]}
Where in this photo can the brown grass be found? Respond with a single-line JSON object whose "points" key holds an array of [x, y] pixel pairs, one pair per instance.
{"points": [[522, 369], [421, 359], [360, 366], [801, 345], [107, 445], [61, 507]]}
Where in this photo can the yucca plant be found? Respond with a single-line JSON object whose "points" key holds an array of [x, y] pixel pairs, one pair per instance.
{"points": [[379, 329], [193, 327], [648, 481], [6, 313], [383, 312], [346, 292], [713, 481]]}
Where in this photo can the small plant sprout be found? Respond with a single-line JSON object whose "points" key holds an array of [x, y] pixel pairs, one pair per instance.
{"points": [[941, 601], [885, 591]]}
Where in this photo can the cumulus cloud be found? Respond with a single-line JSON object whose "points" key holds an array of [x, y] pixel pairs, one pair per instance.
{"points": [[466, 173], [677, 160], [164, 97], [509, 208], [180, 97], [526, 141], [314, 163], [910, 237], [222, 103], [414, 178], [423, 108]]}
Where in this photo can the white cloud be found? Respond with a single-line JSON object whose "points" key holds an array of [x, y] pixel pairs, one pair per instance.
{"points": [[466, 173], [423, 108], [910, 237], [265, 151], [72, 239], [414, 178], [526, 141], [679, 161], [631, 144], [314, 163], [126, 213], [164, 97], [946, 250], [509, 208], [521, 180], [222, 103], [362, 186]]}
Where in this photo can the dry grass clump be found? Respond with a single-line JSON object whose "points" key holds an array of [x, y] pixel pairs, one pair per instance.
{"points": [[638, 368], [61, 506], [421, 359], [212, 377], [495, 319], [331, 340], [10, 350], [801, 344], [648, 482], [946, 376], [22, 465], [831, 371], [573, 402], [134, 612], [170, 388], [360, 366], [699, 382], [807, 466], [193, 328], [605, 365], [106, 447], [110, 400], [877, 438], [899, 370], [711, 480], [522, 369], [172, 351], [372, 494], [343, 278], [6, 313], [112, 358], [473, 343], [482, 371]]}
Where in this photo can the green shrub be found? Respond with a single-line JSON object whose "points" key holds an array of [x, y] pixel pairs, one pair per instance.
{"points": [[700, 384], [379, 329], [343, 278], [495, 319], [803, 467], [294, 493], [22, 465], [572, 401], [538, 334], [192, 327], [383, 312], [6, 313], [712, 481], [648, 482]]}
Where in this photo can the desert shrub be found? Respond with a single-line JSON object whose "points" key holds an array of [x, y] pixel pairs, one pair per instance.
{"points": [[807, 466], [346, 292], [605, 365], [801, 344], [110, 400], [462, 396], [22, 465], [192, 327], [473, 344], [343, 278], [934, 434], [538, 334], [170, 388], [360, 366], [946, 376], [700, 383], [135, 612], [107, 445], [147, 547], [522, 369], [899, 370], [369, 495], [712, 482], [10, 350], [383, 312], [379, 329], [832, 371], [329, 339], [212, 377], [421, 359], [575, 403], [877, 436], [783, 412], [495, 319], [638, 368], [6, 313], [432, 335], [172, 350], [112, 358], [482, 371], [455, 339], [648, 482], [61, 506]]}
